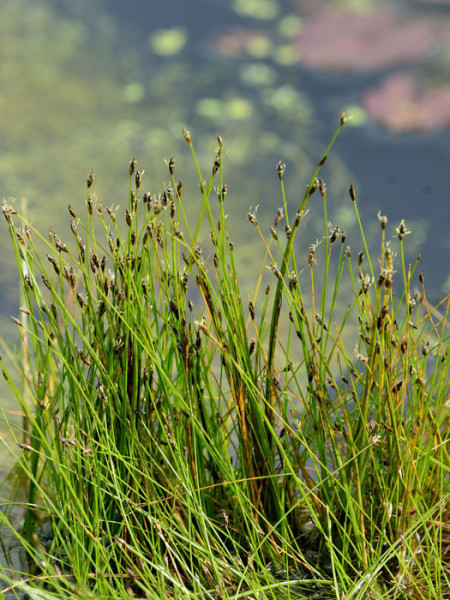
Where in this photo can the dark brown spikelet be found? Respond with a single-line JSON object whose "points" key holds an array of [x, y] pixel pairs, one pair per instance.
{"points": [[89, 204], [91, 178], [71, 211], [128, 218], [252, 218], [223, 192], [334, 235], [279, 217], [8, 210], [314, 186], [70, 276], [311, 253], [293, 281], [94, 259], [276, 272], [44, 280], [251, 310], [216, 164], [171, 164], [60, 246], [112, 216], [54, 263], [281, 167], [352, 193], [81, 300], [138, 179], [132, 167], [383, 220], [401, 230]]}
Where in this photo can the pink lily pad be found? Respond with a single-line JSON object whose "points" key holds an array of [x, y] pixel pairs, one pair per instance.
{"points": [[401, 105], [349, 40]]}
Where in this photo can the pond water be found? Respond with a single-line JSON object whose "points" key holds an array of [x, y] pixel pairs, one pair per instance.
{"points": [[93, 83]]}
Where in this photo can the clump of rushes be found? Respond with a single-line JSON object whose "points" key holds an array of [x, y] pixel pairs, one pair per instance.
{"points": [[184, 443]]}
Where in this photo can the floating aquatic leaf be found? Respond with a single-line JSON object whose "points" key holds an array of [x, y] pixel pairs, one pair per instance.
{"points": [[258, 9], [168, 42], [134, 92], [401, 104], [351, 40], [257, 74], [290, 25]]}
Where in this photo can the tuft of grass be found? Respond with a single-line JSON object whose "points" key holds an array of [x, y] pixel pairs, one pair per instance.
{"points": [[179, 442]]}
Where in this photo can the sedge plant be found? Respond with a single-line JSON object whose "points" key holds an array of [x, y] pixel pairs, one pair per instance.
{"points": [[181, 442]]}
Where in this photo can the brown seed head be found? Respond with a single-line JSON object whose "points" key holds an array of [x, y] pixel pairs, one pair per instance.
{"points": [[401, 230], [281, 167], [187, 136], [251, 310], [311, 253], [314, 186], [334, 235], [279, 216], [383, 220], [252, 218], [223, 192], [90, 178], [216, 164]]}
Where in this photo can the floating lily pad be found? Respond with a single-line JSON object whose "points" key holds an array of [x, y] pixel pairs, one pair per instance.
{"points": [[401, 104], [168, 42], [239, 41], [351, 40], [257, 9]]}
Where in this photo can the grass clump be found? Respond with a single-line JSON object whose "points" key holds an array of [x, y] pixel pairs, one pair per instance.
{"points": [[179, 442]]}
